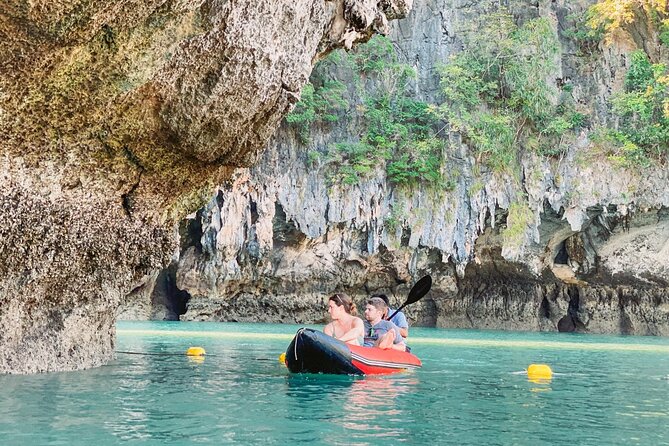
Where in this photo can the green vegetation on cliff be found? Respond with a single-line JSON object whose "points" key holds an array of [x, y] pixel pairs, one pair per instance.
{"points": [[497, 94], [399, 132], [641, 110], [319, 103]]}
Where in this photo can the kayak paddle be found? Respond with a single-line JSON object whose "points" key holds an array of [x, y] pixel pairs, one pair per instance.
{"points": [[417, 292]]}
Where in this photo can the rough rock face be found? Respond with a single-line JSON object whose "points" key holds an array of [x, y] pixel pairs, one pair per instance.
{"points": [[592, 257], [117, 117]]}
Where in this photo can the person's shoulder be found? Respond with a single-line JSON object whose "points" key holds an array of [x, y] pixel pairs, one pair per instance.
{"points": [[399, 313], [400, 320]]}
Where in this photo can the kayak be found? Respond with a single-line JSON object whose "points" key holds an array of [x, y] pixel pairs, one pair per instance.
{"points": [[312, 351]]}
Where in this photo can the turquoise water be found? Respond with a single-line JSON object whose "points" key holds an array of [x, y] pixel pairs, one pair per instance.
{"points": [[471, 391]]}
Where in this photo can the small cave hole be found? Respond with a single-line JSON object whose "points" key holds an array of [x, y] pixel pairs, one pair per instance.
{"points": [[284, 230], [571, 322], [566, 324], [167, 294], [254, 211], [544, 308], [406, 236], [562, 258], [190, 232]]}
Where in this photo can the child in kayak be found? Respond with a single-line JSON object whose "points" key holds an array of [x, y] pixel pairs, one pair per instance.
{"points": [[345, 325]]}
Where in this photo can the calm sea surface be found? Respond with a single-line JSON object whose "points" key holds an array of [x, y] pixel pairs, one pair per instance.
{"points": [[471, 391]]}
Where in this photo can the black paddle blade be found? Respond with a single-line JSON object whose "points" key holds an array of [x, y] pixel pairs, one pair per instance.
{"points": [[419, 290]]}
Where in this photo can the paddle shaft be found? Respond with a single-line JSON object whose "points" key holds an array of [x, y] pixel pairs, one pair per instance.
{"points": [[397, 311]]}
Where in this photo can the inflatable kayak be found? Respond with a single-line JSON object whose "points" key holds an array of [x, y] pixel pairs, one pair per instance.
{"points": [[312, 351]]}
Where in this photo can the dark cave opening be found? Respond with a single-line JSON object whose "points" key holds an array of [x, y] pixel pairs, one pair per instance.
{"points": [[544, 308], [190, 232], [562, 258], [253, 206], [571, 322], [284, 230], [167, 293]]}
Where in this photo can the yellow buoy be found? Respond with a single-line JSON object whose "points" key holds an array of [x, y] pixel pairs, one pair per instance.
{"points": [[539, 372], [195, 351], [282, 358]]}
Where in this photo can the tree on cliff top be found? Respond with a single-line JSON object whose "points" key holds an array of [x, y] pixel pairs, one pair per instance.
{"points": [[641, 19]]}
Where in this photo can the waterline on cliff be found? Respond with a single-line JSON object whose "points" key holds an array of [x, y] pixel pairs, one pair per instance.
{"points": [[582, 344]]}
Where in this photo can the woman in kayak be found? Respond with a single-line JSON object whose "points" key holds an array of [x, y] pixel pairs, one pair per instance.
{"points": [[345, 325]]}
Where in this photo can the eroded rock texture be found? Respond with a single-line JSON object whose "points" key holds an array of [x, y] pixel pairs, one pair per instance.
{"points": [[116, 118], [591, 256]]}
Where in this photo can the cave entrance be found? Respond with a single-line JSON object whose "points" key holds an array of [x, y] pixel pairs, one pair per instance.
{"points": [[571, 321], [167, 294], [284, 231], [562, 257]]}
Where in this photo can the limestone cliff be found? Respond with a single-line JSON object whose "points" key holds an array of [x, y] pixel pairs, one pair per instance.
{"points": [[117, 117], [589, 254]]}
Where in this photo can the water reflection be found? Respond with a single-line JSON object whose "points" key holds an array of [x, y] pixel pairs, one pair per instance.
{"points": [[307, 388], [350, 409], [372, 406], [541, 384]]}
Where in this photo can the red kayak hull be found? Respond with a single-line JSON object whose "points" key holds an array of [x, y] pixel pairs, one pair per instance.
{"points": [[374, 361]]}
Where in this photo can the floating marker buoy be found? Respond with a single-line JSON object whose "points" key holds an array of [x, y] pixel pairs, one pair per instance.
{"points": [[195, 351], [282, 358], [539, 372]]}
